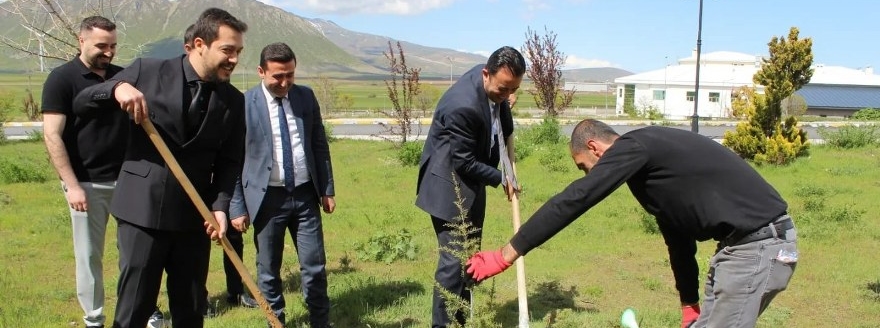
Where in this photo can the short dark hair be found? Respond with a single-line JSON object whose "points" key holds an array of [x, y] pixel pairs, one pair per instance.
{"points": [[507, 57], [590, 129], [99, 22], [277, 52], [188, 34], [207, 27]]}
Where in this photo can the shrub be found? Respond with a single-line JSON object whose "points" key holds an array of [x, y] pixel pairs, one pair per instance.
{"points": [[554, 160], [867, 114], [387, 248], [530, 139], [5, 104], [648, 223], [849, 136], [410, 153], [20, 172], [778, 150], [546, 133], [328, 132], [35, 135], [785, 144]]}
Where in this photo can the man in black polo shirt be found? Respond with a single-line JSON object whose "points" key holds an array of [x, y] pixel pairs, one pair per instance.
{"points": [[87, 154], [697, 190]]}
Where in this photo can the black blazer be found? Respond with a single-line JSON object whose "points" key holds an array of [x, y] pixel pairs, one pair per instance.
{"points": [[459, 141], [147, 194]]}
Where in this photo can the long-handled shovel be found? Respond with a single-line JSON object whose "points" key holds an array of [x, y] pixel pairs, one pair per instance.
{"points": [[509, 170], [207, 216]]}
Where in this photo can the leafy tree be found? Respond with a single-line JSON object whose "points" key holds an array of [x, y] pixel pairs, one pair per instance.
{"points": [[403, 92], [765, 137], [545, 71], [786, 71], [327, 94]]}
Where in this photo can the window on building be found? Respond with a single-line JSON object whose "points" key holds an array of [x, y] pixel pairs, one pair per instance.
{"points": [[714, 96], [691, 95], [659, 94]]}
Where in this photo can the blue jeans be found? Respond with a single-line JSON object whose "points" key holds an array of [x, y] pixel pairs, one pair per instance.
{"points": [[744, 279], [89, 230], [298, 213]]}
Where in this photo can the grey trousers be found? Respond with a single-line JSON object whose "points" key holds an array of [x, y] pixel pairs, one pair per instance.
{"points": [[744, 279], [88, 248]]}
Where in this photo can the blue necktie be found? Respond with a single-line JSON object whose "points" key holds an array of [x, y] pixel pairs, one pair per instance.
{"points": [[287, 152]]}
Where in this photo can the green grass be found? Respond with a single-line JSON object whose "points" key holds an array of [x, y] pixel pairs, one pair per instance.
{"points": [[584, 277]]}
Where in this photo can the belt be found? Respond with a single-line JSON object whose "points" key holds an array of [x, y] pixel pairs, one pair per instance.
{"points": [[775, 229]]}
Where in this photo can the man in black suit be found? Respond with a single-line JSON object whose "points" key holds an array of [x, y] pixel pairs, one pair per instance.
{"points": [[199, 115], [287, 175], [464, 141], [697, 190]]}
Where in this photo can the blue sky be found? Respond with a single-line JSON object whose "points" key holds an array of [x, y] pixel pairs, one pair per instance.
{"points": [[636, 35]]}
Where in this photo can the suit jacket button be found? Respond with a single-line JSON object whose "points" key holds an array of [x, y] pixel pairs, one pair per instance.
{"points": [[269, 168], [264, 189]]}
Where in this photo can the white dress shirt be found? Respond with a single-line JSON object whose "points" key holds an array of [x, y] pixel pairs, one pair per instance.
{"points": [[300, 170]]}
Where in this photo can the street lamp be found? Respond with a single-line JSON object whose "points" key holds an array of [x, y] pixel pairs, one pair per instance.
{"points": [[695, 120], [665, 82]]}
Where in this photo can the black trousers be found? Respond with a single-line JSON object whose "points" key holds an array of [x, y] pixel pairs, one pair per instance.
{"points": [[234, 286], [449, 268], [143, 255]]}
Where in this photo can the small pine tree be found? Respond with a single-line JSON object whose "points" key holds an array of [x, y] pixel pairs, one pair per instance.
{"points": [[764, 137], [462, 246]]}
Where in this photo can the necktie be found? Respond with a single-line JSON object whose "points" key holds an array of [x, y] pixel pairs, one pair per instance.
{"points": [[506, 165], [287, 152], [198, 106]]}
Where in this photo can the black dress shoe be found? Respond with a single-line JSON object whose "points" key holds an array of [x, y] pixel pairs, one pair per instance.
{"points": [[242, 300]]}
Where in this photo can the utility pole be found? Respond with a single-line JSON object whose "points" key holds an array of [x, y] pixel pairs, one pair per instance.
{"points": [[450, 68], [695, 120]]}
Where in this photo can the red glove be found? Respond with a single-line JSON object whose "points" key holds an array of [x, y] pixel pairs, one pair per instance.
{"points": [[689, 314], [486, 264]]}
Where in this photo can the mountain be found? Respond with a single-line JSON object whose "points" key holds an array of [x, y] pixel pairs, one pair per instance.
{"points": [[597, 74], [154, 28], [434, 62]]}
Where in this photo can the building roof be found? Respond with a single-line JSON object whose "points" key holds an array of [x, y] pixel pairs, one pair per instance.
{"points": [[843, 75], [840, 96], [721, 57], [733, 69]]}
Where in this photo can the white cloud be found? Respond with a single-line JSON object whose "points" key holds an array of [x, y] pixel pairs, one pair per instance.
{"points": [[484, 53], [573, 62], [348, 7], [535, 5]]}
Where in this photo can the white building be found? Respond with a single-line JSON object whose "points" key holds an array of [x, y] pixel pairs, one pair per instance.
{"points": [[671, 89]]}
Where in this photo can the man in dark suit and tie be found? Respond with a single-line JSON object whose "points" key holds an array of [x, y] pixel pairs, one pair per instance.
{"points": [[199, 114], [287, 175], [471, 127]]}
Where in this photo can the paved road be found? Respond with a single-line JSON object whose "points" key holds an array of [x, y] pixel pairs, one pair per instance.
{"points": [[363, 128]]}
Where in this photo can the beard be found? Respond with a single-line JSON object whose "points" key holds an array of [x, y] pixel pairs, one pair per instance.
{"points": [[100, 62], [215, 75]]}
